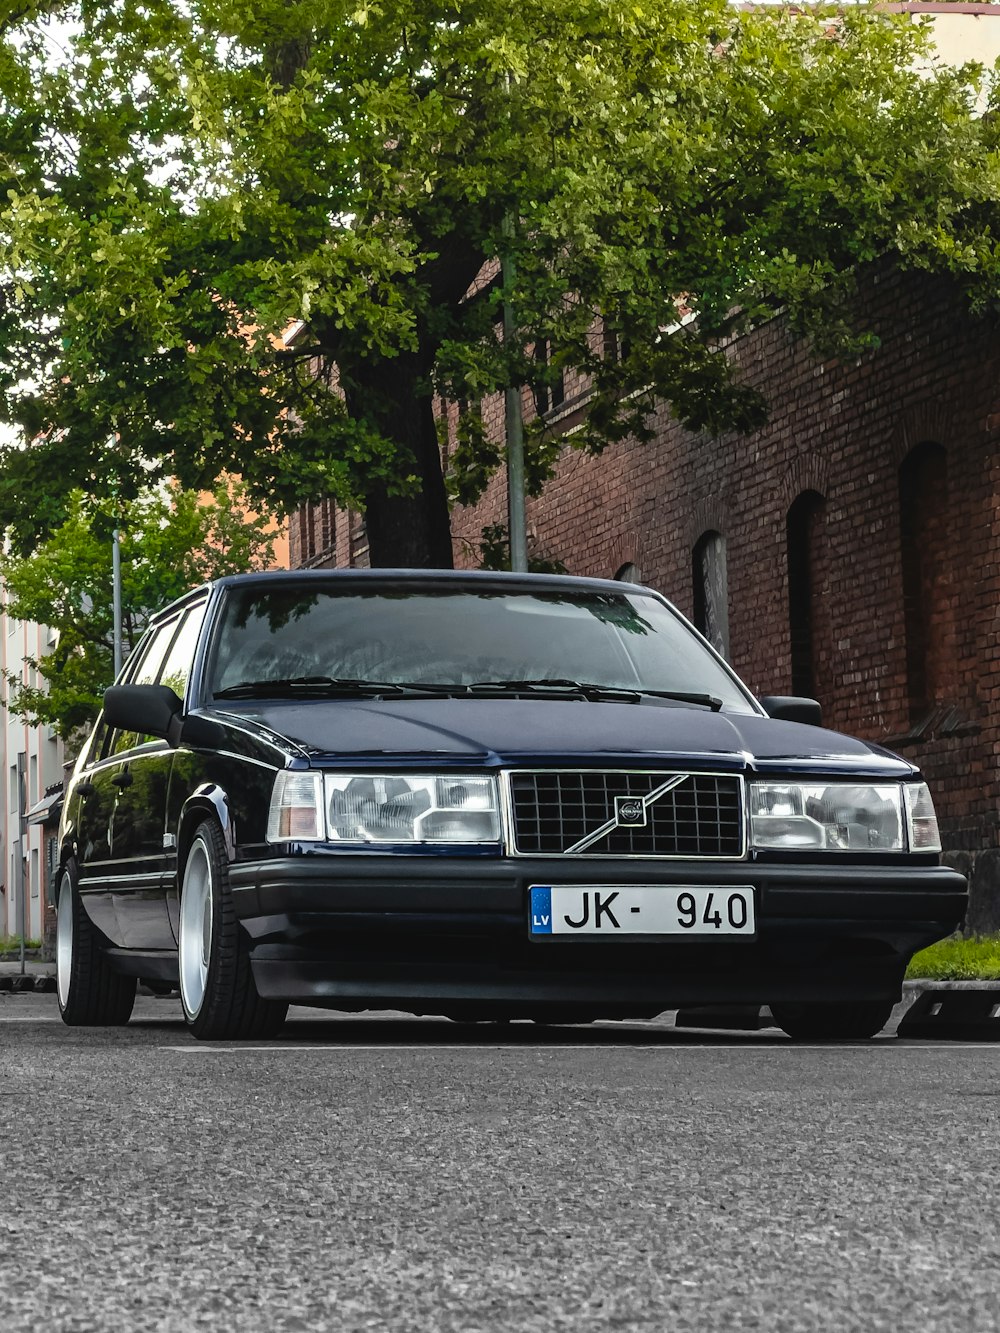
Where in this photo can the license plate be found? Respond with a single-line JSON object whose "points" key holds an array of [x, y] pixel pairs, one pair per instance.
{"points": [[641, 909]]}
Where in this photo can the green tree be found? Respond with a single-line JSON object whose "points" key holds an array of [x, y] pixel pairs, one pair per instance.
{"points": [[171, 540], [186, 179]]}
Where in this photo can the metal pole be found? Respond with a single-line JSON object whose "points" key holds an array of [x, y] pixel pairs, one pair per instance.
{"points": [[116, 588], [21, 921], [514, 424]]}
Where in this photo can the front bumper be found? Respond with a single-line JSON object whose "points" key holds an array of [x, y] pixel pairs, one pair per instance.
{"points": [[437, 934]]}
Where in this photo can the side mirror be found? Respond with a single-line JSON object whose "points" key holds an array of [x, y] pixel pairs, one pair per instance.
{"points": [[788, 708], [150, 710]]}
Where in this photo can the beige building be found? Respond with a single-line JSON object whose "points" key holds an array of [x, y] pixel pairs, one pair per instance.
{"points": [[962, 32], [31, 763]]}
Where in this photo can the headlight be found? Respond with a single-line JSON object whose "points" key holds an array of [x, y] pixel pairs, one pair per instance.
{"points": [[386, 807], [840, 817]]}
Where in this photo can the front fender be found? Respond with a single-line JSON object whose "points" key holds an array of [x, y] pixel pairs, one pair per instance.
{"points": [[206, 800]]}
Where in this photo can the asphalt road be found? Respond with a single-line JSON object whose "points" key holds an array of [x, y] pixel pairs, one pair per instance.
{"points": [[380, 1173]]}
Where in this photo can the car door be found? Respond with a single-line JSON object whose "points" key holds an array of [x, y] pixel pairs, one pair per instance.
{"points": [[141, 846], [122, 888]]}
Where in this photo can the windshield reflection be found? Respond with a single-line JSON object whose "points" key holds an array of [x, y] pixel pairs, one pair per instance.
{"points": [[461, 637]]}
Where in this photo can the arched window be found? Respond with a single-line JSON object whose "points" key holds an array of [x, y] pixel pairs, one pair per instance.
{"points": [[710, 584], [550, 388], [927, 578], [628, 573], [807, 610]]}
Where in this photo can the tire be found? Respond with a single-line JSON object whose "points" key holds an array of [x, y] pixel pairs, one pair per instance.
{"points": [[850, 1020], [90, 994], [218, 993]]}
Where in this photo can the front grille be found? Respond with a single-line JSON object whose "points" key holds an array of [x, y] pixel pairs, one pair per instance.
{"points": [[700, 817]]}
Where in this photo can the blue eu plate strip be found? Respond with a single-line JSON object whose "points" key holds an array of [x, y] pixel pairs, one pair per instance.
{"points": [[541, 909]]}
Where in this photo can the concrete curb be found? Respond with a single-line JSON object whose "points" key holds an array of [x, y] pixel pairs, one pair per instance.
{"points": [[948, 1010], [27, 984], [931, 1010]]}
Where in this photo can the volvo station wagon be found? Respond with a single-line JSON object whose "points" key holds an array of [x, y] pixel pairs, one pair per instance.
{"points": [[485, 796]]}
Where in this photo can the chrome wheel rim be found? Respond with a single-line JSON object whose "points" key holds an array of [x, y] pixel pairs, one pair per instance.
{"points": [[64, 941], [195, 942]]}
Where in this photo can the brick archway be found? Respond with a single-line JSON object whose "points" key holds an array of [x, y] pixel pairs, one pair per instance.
{"points": [[925, 423], [710, 514], [808, 472], [626, 549]]}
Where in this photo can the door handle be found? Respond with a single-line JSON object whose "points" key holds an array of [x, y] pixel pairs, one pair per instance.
{"points": [[123, 779]]}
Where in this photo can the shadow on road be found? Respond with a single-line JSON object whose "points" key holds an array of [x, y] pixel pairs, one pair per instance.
{"points": [[392, 1031], [159, 1021]]}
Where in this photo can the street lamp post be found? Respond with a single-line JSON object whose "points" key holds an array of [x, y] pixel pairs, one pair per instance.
{"points": [[513, 422], [21, 913], [116, 594]]}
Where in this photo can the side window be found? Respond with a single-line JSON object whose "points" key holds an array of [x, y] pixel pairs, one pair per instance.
{"points": [[176, 668], [97, 744], [147, 669], [145, 672]]}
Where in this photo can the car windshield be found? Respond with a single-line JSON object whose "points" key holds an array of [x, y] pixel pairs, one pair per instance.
{"points": [[461, 637]]}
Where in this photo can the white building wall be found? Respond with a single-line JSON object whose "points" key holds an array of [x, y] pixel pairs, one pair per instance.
{"points": [[40, 756]]}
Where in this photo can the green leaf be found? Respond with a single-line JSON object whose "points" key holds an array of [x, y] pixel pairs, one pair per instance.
{"points": [[184, 181]]}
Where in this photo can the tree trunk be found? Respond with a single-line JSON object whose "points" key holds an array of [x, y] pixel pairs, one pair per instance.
{"points": [[412, 530]]}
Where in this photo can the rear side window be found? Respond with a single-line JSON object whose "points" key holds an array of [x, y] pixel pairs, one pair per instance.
{"points": [[145, 672], [147, 668], [176, 668]]}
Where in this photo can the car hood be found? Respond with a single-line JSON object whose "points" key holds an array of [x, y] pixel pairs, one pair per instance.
{"points": [[548, 730]]}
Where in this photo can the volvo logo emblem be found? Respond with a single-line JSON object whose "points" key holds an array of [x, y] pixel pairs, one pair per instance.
{"points": [[630, 812]]}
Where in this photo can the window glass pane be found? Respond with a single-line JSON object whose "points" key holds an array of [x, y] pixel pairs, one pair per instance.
{"points": [[145, 672], [628, 574], [177, 664], [711, 591], [97, 745], [451, 637], [129, 740], [147, 669]]}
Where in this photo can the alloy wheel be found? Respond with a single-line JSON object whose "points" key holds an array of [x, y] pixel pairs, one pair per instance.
{"points": [[64, 940], [195, 945]]}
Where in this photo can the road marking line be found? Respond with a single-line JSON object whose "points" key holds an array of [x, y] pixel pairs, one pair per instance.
{"points": [[26, 1018], [590, 1046], [428, 1046]]}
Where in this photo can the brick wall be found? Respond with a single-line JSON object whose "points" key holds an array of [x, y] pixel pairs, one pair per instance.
{"points": [[842, 430]]}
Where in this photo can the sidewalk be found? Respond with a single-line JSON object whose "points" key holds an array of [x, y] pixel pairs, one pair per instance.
{"points": [[11, 967]]}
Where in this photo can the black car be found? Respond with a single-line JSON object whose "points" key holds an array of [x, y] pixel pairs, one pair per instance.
{"points": [[485, 796]]}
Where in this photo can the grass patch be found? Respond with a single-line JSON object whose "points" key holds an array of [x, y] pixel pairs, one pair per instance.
{"points": [[957, 959], [12, 944]]}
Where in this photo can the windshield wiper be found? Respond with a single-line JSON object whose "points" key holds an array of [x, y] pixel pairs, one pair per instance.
{"points": [[322, 686], [555, 685], [329, 687], [706, 700], [588, 690]]}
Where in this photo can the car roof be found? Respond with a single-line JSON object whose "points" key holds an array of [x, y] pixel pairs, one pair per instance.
{"points": [[397, 578]]}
